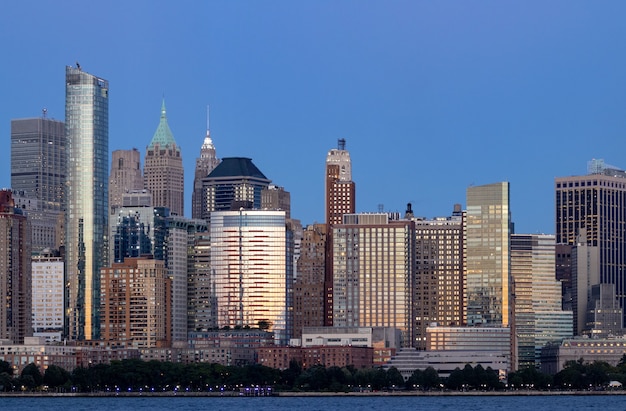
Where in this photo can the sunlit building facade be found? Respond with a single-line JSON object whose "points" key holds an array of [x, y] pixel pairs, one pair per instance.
{"points": [[87, 132], [134, 303], [374, 273], [488, 229], [252, 273]]}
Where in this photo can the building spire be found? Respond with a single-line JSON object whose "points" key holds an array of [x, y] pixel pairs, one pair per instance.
{"points": [[163, 135]]}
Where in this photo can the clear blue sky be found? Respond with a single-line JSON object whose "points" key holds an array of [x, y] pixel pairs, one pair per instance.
{"points": [[431, 97]]}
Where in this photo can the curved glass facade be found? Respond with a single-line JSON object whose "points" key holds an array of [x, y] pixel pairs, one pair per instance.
{"points": [[87, 132]]}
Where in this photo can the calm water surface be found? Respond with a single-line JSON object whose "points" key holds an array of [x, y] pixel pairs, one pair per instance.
{"points": [[469, 403]]}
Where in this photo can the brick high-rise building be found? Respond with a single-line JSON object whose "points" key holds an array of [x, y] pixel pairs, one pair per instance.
{"points": [[15, 272], [134, 303]]}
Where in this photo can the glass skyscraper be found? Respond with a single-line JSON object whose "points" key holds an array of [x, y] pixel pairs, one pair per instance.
{"points": [[87, 132], [488, 232], [252, 275]]}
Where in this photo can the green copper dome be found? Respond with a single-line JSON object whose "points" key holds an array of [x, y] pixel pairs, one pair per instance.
{"points": [[163, 135]]}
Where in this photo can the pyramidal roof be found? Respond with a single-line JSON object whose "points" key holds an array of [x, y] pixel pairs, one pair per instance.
{"points": [[163, 135], [237, 167]]}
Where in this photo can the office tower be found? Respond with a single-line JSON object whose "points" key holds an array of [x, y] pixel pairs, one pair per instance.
{"points": [[595, 202], [202, 306], [439, 278], [236, 182], [15, 272], [131, 238], [253, 277], [180, 263], [47, 296], [604, 315], [585, 262], [204, 165], [38, 169], [134, 303], [536, 298], [163, 169], [125, 176], [309, 291], [488, 225], [38, 160], [87, 132], [135, 206], [276, 198], [374, 273], [340, 189]]}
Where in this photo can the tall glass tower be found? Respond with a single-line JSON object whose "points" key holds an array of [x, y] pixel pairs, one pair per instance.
{"points": [[87, 132], [488, 239]]}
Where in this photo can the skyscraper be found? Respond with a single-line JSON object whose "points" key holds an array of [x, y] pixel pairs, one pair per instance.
{"points": [[252, 274], [38, 172], [340, 193], [87, 132], [536, 298], [488, 229], [163, 169], [38, 160], [236, 182], [204, 165], [595, 205], [374, 273], [15, 272], [125, 176]]}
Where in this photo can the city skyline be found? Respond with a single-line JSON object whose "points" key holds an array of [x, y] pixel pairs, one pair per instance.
{"points": [[431, 98]]}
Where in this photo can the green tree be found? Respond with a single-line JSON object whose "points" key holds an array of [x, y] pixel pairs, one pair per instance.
{"points": [[55, 376], [430, 378], [31, 376], [394, 378]]}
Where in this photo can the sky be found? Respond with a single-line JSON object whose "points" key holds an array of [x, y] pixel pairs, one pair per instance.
{"points": [[431, 97]]}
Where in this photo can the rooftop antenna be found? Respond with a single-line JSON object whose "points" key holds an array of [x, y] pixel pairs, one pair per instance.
{"points": [[77, 65], [341, 144], [207, 117], [44, 112]]}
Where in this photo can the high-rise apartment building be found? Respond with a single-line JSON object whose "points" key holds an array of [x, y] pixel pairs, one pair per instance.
{"points": [[236, 182], [204, 165], [252, 273], [38, 160], [439, 277], [163, 169], [125, 176], [134, 303], [87, 211], [488, 229], [374, 273], [15, 272], [595, 202], [340, 189], [537, 317], [48, 288], [201, 303], [339, 199]]}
